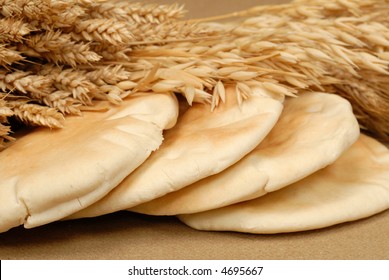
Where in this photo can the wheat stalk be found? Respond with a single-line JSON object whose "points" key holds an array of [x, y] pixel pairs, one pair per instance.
{"points": [[43, 13], [5, 131], [105, 31], [13, 30], [63, 102], [8, 57], [110, 53], [64, 54], [54, 46], [35, 86], [75, 82], [36, 115], [112, 74]]}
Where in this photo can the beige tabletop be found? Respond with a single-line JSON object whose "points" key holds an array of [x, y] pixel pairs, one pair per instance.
{"points": [[126, 235]]}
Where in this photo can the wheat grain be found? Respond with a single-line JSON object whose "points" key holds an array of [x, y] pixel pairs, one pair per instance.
{"points": [[166, 31], [181, 75], [63, 18], [63, 102], [5, 131], [43, 13], [77, 83], [8, 78], [156, 13], [11, 8], [5, 111], [112, 74], [36, 115], [106, 31], [54, 46], [111, 53], [13, 30], [167, 86], [9, 56], [35, 86], [242, 75], [215, 98]]}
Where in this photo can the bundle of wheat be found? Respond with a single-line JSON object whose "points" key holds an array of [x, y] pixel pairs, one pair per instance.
{"points": [[339, 47], [56, 57], [45, 46]]}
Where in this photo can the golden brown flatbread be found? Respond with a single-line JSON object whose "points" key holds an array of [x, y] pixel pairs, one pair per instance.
{"points": [[47, 174], [202, 143], [354, 187], [313, 131]]}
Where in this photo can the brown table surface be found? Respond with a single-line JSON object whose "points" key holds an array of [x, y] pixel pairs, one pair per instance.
{"points": [[126, 235]]}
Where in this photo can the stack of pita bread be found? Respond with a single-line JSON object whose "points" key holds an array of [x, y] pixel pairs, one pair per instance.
{"points": [[47, 175], [261, 166]]}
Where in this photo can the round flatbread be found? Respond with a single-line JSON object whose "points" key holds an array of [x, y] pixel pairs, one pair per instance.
{"points": [[202, 143], [312, 132], [49, 174], [354, 187]]}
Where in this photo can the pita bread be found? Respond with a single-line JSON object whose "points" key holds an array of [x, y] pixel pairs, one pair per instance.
{"points": [[202, 143], [354, 187], [49, 174], [312, 132]]}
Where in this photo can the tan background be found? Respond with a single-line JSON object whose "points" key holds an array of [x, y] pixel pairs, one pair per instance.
{"points": [[131, 236]]}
